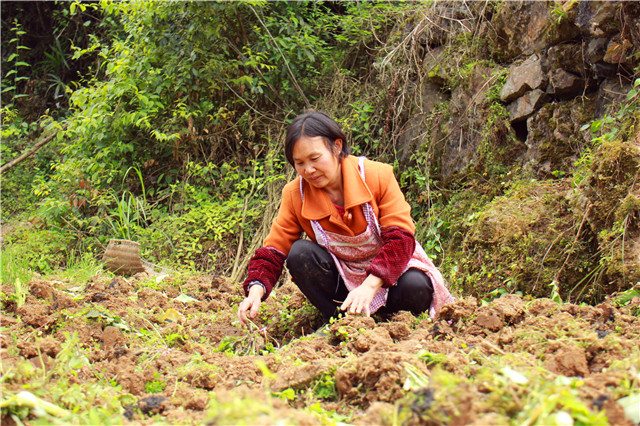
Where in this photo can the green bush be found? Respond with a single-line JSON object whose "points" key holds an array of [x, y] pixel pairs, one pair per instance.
{"points": [[41, 250]]}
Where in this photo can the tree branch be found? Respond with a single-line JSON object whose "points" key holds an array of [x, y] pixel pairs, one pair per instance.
{"points": [[28, 152]]}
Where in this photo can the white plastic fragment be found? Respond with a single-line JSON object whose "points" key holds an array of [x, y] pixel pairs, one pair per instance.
{"points": [[564, 419], [514, 376], [631, 405]]}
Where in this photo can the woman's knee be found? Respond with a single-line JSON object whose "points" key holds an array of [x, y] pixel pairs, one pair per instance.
{"points": [[415, 281], [413, 292], [300, 250], [301, 255], [313, 270], [308, 258]]}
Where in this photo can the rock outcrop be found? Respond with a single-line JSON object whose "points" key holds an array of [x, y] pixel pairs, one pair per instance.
{"points": [[512, 90], [551, 54]]}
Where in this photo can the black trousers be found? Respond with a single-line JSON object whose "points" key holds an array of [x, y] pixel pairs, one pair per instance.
{"points": [[315, 273]]}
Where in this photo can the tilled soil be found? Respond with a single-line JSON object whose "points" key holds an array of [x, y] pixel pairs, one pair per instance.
{"points": [[152, 349]]}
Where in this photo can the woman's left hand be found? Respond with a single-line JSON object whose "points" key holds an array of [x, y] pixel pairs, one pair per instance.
{"points": [[359, 299]]}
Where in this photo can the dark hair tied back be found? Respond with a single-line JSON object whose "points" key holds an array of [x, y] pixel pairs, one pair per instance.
{"points": [[312, 124]]}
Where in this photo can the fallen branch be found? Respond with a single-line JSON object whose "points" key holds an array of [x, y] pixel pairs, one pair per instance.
{"points": [[28, 152]]}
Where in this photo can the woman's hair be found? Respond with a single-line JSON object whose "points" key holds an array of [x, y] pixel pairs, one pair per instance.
{"points": [[313, 124]]}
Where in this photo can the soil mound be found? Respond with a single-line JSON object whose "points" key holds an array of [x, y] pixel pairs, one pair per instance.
{"points": [[170, 349]]}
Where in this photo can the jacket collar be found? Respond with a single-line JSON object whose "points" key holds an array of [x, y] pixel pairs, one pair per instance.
{"points": [[317, 205]]}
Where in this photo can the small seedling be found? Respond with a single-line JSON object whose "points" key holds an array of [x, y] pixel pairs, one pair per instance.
{"points": [[325, 387], [254, 341], [156, 385]]}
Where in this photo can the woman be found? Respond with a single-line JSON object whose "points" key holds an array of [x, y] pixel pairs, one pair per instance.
{"points": [[362, 256]]}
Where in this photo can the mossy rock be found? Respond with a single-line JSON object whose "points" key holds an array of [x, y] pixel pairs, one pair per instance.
{"points": [[614, 174], [611, 201], [554, 138], [525, 240]]}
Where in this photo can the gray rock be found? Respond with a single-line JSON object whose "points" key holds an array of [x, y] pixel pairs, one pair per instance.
{"points": [[611, 91], [519, 28], [618, 52], [554, 139], [562, 83], [464, 130], [596, 50], [598, 18], [567, 56], [421, 124], [433, 66], [524, 106], [526, 76]]}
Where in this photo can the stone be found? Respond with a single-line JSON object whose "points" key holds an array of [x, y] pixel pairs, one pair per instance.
{"points": [[598, 18], [463, 132], [433, 66], [610, 92], [518, 28], [526, 105], [554, 139], [568, 56], [631, 21], [523, 77], [618, 52], [596, 49], [416, 130], [562, 83]]}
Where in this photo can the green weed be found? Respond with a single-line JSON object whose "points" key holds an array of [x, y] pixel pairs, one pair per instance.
{"points": [[431, 357], [327, 417], [253, 341], [156, 385], [55, 396], [15, 65], [629, 298], [16, 274], [324, 387], [80, 267]]}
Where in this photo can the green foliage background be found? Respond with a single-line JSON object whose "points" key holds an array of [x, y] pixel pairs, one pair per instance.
{"points": [[171, 128], [169, 119]]}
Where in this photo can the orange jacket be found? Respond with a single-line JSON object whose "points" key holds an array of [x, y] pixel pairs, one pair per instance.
{"points": [[381, 190]]}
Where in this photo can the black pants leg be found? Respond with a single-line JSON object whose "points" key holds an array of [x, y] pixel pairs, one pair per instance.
{"points": [[413, 293], [315, 273]]}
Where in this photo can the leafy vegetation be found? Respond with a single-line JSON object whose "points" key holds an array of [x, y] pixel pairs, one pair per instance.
{"points": [[170, 351], [163, 122]]}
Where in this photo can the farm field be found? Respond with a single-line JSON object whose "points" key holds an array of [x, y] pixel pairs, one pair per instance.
{"points": [[154, 350]]}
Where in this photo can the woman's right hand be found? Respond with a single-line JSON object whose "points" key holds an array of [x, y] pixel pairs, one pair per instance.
{"points": [[249, 307]]}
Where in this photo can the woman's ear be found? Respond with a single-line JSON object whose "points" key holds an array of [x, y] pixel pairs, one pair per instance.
{"points": [[337, 147]]}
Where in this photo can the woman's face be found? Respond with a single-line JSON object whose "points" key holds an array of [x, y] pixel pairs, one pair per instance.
{"points": [[316, 163]]}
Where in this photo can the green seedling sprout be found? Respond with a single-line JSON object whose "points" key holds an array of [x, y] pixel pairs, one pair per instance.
{"points": [[249, 343]]}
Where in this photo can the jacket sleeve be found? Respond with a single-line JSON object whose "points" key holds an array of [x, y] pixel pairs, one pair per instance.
{"points": [[265, 267], [268, 261], [393, 209], [286, 228], [397, 248]]}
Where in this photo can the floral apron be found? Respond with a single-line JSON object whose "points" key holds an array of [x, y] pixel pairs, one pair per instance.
{"points": [[353, 255]]}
